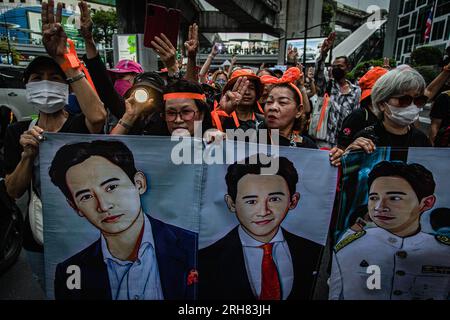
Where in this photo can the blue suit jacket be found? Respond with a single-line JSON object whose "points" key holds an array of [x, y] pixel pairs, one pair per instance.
{"points": [[176, 251]]}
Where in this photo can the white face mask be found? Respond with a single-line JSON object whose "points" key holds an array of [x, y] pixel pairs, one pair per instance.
{"points": [[48, 96], [404, 116]]}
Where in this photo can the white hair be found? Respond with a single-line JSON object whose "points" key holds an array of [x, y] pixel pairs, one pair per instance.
{"points": [[397, 82]]}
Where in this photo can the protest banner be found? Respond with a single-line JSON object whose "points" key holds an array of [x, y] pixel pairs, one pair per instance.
{"points": [[124, 217]]}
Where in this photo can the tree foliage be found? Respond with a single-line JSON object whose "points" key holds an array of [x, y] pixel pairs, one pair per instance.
{"points": [[364, 66], [4, 51], [105, 25], [426, 56], [328, 12]]}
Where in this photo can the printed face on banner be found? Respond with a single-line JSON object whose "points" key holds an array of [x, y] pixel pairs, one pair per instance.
{"points": [[393, 205], [394, 208], [260, 212], [261, 204], [115, 230], [104, 194]]}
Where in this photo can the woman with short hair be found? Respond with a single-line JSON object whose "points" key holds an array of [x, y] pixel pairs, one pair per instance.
{"points": [[398, 97]]}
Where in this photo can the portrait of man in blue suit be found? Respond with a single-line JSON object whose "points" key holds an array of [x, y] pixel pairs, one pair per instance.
{"points": [[136, 257]]}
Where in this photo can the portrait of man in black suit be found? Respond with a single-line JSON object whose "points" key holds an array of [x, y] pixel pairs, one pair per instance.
{"points": [[136, 257], [259, 259]]}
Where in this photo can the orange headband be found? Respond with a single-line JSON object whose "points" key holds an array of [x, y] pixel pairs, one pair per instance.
{"points": [[184, 95], [289, 77]]}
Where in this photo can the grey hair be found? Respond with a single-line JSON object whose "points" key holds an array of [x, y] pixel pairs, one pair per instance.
{"points": [[396, 82]]}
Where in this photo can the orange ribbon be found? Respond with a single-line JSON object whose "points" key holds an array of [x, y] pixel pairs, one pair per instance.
{"points": [[289, 77], [184, 95], [73, 62]]}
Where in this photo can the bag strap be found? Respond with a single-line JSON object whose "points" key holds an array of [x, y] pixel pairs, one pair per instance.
{"points": [[33, 123], [326, 99]]}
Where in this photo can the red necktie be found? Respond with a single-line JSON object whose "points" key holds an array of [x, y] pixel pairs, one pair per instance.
{"points": [[270, 283]]}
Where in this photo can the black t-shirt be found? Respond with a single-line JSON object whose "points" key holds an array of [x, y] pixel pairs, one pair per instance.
{"points": [[13, 153], [382, 138], [441, 110], [229, 124], [358, 120], [303, 141], [306, 143]]}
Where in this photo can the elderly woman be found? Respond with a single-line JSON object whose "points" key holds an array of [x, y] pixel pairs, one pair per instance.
{"points": [[398, 97]]}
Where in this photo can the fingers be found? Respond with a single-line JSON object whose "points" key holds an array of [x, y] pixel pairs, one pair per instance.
{"points": [[131, 100], [195, 32], [237, 84], [83, 9], [244, 86], [50, 11], [44, 13], [190, 32], [28, 141], [167, 42], [362, 144], [335, 156], [59, 8], [162, 44], [36, 132], [158, 48]]}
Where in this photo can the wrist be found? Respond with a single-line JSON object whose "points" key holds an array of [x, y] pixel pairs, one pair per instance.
{"points": [[27, 157], [72, 73], [89, 41], [129, 118]]}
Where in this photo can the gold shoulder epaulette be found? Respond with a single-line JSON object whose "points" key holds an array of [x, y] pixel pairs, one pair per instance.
{"points": [[443, 239], [346, 241]]}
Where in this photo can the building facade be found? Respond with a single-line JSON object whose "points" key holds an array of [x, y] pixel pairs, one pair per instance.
{"points": [[411, 25]]}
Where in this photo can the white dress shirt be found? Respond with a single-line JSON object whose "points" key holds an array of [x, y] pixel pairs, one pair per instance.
{"points": [[253, 256], [135, 280]]}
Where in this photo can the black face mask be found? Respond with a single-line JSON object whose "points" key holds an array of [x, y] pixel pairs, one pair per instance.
{"points": [[338, 74]]}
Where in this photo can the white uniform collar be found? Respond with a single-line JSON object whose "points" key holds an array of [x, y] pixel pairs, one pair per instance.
{"points": [[396, 241]]}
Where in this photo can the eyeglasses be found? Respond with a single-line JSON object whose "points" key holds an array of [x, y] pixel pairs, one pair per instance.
{"points": [[186, 115], [405, 101]]}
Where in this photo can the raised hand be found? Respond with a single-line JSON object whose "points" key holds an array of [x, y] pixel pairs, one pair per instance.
{"points": [[86, 24], [215, 50], [310, 73], [387, 63], [231, 99], [165, 50], [328, 43], [134, 109], [233, 60], [53, 35], [192, 44]]}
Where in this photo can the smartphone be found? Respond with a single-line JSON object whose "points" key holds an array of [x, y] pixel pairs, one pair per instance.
{"points": [[159, 19]]}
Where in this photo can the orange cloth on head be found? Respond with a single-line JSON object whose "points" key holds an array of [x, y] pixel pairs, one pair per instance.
{"points": [[367, 82], [289, 77]]}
